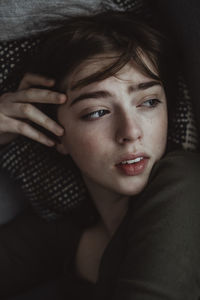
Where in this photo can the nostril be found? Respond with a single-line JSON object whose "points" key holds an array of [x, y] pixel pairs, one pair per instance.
{"points": [[123, 140], [128, 136]]}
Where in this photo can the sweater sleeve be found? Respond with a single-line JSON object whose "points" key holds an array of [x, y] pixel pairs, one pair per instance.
{"points": [[33, 251], [162, 258]]}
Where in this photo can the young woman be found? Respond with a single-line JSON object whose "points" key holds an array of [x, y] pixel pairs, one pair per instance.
{"points": [[137, 236]]}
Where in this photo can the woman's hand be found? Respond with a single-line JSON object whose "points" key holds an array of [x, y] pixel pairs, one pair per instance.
{"points": [[16, 110]]}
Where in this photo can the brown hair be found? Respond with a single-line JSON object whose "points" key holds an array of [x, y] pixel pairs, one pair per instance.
{"points": [[124, 35], [112, 32]]}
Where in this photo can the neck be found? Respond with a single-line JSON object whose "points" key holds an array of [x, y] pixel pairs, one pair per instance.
{"points": [[112, 207]]}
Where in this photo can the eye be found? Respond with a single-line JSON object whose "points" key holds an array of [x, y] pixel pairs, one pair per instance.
{"points": [[95, 114], [151, 103]]}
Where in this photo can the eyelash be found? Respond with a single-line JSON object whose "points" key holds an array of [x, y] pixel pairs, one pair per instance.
{"points": [[153, 105], [102, 112]]}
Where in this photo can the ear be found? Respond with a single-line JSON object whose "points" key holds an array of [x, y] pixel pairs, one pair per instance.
{"points": [[61, 149]]}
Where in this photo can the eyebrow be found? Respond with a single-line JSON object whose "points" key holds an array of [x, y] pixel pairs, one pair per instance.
{"points": [[107, 94]]}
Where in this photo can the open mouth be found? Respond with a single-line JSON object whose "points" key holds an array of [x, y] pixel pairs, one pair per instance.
{"points": [[134, 166]]}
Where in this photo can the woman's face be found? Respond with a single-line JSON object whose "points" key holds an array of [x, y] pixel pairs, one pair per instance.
{"points": [[116, 129]]}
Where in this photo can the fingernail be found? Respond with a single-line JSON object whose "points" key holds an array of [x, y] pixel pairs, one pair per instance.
{"points": [[62, 98], [50, 143], [60, 131], [50, 81]]}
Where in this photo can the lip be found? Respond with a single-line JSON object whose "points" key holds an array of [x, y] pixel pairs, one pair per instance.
{"points": [[135, 168]]}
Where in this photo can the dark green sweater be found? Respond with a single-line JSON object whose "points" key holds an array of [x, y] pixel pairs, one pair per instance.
{"points": [[155, 253]]}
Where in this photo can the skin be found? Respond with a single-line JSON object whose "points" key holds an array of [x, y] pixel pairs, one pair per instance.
{"points": [[99, 131], [17, 110]]}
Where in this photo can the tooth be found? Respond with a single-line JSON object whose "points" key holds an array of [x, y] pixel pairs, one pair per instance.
{"points": [[132, 161], [138, 159]]}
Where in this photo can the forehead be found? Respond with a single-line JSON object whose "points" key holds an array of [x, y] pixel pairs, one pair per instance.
{"points": [[129, 73], [87, 68]]}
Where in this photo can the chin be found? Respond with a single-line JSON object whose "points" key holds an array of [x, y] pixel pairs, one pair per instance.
{"points": [[132, 189]]}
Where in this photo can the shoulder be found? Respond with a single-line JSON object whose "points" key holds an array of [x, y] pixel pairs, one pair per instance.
{"points": [[162, 233], [178, 167], [192, 159], [172, 196]]}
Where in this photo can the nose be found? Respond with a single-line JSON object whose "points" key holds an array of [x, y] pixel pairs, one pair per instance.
{"points": [[129, 128]]}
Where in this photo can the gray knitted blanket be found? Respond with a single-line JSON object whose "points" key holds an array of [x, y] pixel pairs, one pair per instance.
{"points": [[24, 18]]}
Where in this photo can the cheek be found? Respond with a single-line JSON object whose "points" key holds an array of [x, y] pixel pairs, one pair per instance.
{"points": [[83, 144], [161, 130], [157, 128]]}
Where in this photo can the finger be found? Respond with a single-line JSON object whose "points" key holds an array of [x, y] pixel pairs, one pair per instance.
{"points": [[35, 95], [31, 113], [19, 127], [31, 79]]}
